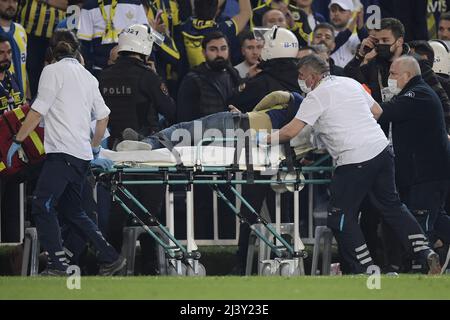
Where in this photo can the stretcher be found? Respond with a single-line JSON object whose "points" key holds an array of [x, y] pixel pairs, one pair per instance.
{"points": [[219, 167]]}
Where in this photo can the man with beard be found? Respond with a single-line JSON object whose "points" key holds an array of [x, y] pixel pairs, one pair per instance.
{"points": [[324, 34], [209, 86], [10, 97], [372, 62], [17, 38]]}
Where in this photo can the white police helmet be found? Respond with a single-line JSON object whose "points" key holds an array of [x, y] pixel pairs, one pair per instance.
{"points": [[441, 62], [279, 43], [137, 38]]}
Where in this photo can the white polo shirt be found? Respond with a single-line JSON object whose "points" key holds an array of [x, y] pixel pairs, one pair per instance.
{"points": [[69, 99], [339, 112]]}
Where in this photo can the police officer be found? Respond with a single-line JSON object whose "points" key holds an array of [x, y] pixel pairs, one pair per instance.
{"points": [[132, 90], [340, 112], [422, 150], [135, 95], [279, 69]]}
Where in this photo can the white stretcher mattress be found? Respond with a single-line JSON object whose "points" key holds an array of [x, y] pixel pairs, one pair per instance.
{"points": [[262, 158]]}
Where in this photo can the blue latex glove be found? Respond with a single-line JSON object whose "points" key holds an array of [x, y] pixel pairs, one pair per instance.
{"points": [[12, 150], [102, 163], [96, 151]]}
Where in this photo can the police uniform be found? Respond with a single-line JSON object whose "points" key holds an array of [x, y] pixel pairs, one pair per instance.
{"points": [[422, 161], [276, 74], [135, 95]]}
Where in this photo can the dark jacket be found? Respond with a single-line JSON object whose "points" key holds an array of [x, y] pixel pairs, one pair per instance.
{"points": [[377, 71], [276, 74], [204, 91], [135, 94], [422, 151]]}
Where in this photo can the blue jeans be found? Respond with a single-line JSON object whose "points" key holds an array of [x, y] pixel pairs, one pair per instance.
{"points": [[221, 122]]}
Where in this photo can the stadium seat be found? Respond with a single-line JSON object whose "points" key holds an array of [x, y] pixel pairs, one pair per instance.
{"points": [[325, 233], [30, 252]]}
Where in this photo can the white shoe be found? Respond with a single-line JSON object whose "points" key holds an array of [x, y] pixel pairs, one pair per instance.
{"points": [[129, 145]]}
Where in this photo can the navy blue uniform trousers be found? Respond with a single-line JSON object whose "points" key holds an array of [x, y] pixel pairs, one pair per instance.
{"points": [[61, 182]]}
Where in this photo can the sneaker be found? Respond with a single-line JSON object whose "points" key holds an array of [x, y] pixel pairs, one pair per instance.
{"points": [[129, 145], [434, 264], [53, 273], [115, 268]]}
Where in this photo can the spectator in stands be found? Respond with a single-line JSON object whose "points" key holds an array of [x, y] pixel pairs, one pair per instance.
{"points": [[347, 41], [11, 97], [306, 51], [324, 34], [305, 20], [39, 18], [100, 24], [444, 28], [274, 17], [207, 89], [190, 34], [18, 40], [259, 11], [251, 51], [68, 98], [421, 146], [372, 62]]}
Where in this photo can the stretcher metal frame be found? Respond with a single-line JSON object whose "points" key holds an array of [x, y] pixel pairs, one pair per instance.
{"points": [[184, 260]]}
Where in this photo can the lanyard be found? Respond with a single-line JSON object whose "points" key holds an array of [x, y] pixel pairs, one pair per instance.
{"points": [[110, 34], [7, 91]]}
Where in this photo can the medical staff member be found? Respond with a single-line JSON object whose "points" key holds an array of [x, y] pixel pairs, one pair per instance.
{"points": [[68, 97], [342, 113]]}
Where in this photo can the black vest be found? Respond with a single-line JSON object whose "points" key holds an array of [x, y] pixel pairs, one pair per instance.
{"points": [[124, 89], [213, 97]]}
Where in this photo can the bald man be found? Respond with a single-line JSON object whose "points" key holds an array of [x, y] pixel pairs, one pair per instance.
{"points": [[274, 17], [422, 152]]}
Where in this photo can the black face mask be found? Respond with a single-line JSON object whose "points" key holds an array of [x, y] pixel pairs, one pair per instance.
{"points": [[218, 64], [384, 51]]}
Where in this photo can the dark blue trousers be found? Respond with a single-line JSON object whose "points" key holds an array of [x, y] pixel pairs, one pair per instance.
{"points": [[350, 184], [61, 182]]}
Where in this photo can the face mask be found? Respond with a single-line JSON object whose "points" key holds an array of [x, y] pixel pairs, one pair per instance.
{"points": [[384, 51], [218, 64], [392, 84], [303, 86]]}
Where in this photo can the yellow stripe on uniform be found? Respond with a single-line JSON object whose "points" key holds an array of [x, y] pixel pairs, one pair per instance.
{"points": [[51, 22], [40, 24], [2, 166], [30, 21], [19, 113], [37, 142]]}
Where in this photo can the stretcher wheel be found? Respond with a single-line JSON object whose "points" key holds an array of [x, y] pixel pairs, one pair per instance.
{"points": [[286, 271], [267, 270], [201, 270], [172, 270]]}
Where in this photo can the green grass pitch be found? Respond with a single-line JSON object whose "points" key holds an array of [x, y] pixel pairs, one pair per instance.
{"points": [[233, 288]]}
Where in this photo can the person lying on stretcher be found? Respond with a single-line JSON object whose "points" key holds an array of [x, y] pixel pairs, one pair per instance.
{"points": [[271, 113]]}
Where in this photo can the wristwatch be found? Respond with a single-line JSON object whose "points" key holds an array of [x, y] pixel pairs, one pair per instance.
{"points": [[15, 140]]}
